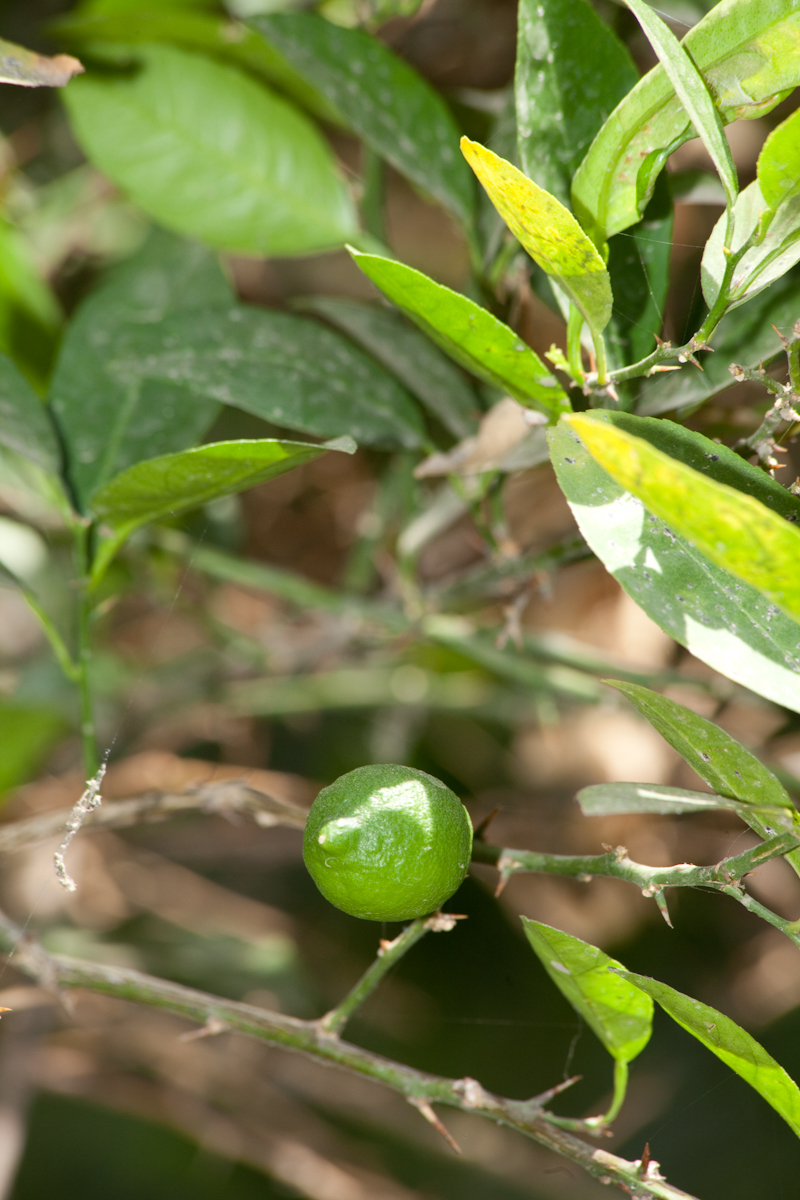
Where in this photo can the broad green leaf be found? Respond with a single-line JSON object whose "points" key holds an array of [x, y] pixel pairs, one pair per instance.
{"points": [[691, 90], [212, 154], [746, 336], [572, 70], [618, 799], [638, 264], [287, 369], [468, 333], [225, 39], [25, 424], [548, 231], [732, 1044], [383, 99], [613, 1008], [777, 247], [108, 423], [29, 69], [27, 734], [748, 52], [724, 622], [160, 487], [412, 358], [729, 527], [30, 316], [779, 162]]}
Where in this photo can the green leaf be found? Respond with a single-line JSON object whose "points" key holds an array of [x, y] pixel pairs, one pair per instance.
{"points": [[778, 165], [412, 358], [638, 264], [776, 248], [468, 333], [29, 69], [732, 1044], [286, 369], [618, 799], [749, 56], [27, 734], [571, 72], [108, 423], [729, 527], [612, 1007], [722, 621], [548, 231], [383, 99], [745, 336], [25, 424], [30, 316], [212, 154], [691, 90], [213, 35]]}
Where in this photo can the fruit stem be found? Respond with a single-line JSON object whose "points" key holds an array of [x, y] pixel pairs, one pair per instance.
{"points": [[388, 954]]}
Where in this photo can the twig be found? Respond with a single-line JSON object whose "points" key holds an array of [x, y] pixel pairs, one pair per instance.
{"points": [[306, 1037]]}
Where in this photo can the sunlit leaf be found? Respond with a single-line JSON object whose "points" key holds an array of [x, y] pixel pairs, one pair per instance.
{"points": [[612, 1007], [548, 231], [779, 162], [721, 620], [212, 154], [776, 248], [616, 799], [732, 1044], [468, 333]]}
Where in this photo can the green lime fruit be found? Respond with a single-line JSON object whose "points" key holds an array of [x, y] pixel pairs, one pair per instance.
{"points": [[387, 843]]}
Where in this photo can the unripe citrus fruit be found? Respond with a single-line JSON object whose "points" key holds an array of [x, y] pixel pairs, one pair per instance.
{"points": [[387, 843]]}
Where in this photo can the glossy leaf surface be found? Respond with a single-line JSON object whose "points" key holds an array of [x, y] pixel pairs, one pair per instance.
{"points": [[289, 370], [107, 422], [613, 1008], [723, 621], [411, 357], [732, 1044], [468, 333], [548, 231], [691, 90], [25, 424], [774, 254], [572, 70], [748, 52], [160, 487], [616, 799], [222, 38], [729, 527], [383, 99], [779, 162], [212, 154]]}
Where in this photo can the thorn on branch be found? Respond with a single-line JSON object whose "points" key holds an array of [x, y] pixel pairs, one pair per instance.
{"points": [[212, 1027], [480, 833], [90, 799], [430, 1116], [442, 922], [551, 1093], [661, 901]]}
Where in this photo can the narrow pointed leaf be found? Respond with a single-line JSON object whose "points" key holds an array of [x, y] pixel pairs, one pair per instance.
{"points": [[468, 333], [779, 162], [734, 530], [692, 92], [721, 620], [612, 1007], [772, 256], [211, 153], [749, 56], [617, 799], [638, 264], [382, 98], [29, 69], [732, 1044], [409, 355], [572, 70], [160, 487], [25, 424], [548, 231]]}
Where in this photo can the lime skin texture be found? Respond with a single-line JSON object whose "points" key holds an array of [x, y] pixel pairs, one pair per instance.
{"points": [[387, 843]]}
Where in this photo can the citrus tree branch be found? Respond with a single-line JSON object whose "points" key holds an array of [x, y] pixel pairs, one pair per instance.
{"points": [[311, 1038]]}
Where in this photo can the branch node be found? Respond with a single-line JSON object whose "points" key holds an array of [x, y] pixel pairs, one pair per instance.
{"points": [[473, 1093], [442, 922], [424, 1107]]}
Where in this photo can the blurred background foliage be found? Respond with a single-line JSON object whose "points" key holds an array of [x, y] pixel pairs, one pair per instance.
{"points": [[278, 637]]}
